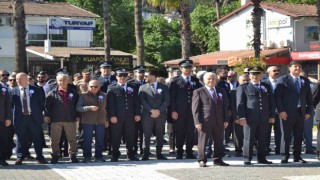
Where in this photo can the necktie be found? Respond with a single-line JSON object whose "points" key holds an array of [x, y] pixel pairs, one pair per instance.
{"points": [[257, 86], [122, 85], [141, 82], [296, 82], [153, 88], [214, 95], [188, 84], [24, 102]]}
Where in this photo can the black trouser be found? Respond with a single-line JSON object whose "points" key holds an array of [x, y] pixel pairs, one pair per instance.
{"points": [[154, 126], [126, 128], [277, 134], [238, 137], [107, 139], [293, 126], [138, 136], [217, 135], [172, 135], [185, 132], [228, 131], [6, 140], [250, 131]]}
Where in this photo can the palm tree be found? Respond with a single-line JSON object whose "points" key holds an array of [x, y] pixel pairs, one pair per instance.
{"points": [[106, 21], [19, 27], [139, 31], [257, 13], [185, 33]]}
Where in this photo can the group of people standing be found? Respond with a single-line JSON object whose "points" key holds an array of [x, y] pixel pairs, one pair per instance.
{"points": [[116, 108]]}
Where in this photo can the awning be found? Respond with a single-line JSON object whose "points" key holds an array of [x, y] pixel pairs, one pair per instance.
{"points": [[305, 56]]}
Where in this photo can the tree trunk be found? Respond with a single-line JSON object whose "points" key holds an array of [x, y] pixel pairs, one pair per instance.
{"points": [[318, 18], [218, 9], [106, 21], [139, 31], [257, 13], [185, 30], [19, 27]]}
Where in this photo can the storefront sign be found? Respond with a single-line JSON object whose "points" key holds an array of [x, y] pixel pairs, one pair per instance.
{"points": [[284, 22], [314, 45], [72, 24], [118, 60], [301, 56]]}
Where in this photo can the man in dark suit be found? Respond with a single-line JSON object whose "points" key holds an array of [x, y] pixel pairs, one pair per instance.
{"points": [[255, 106], [124, 111], [316, 104], [181, 90], [237, 127], [5, 123], [294, 104], [137, 82], [210, 113], [154, 98], [106, 79], [273, 73], [28, 104]]}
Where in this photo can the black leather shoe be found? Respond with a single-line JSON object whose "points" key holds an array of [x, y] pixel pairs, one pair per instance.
{"points": [[74, 159], [86, 160], [284, 160], [191, 156], [220, 163], [179, 156], [145, 158], [299, 160], [309, 151], [264, 161], [29, 157], [114, 159], [54, 160], [202, 164], [18, 162], [161, 157], [42, 161], [3, 163], [247, 163], [132, 158]]}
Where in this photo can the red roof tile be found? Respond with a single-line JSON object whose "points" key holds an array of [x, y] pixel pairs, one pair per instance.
{"points": [[48, 9], [293, 10]]}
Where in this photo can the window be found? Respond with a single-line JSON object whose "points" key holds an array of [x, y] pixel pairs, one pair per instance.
{"points": [[38, 33], [311, 33]]}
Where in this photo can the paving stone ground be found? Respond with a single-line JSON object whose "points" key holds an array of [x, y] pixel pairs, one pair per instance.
{"points": [[154, 169]]}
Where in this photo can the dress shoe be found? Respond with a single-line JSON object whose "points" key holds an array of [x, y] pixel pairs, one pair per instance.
{"points": [[3, 163], [42, 161], [202, 164], [179, 156], [99, 160], [74, 159], [145, 157], [247, 163], [86, 160], [161, 157], [219, 162], [54, 159], [132, 158], [299, 159], [114, 159], [18, 162], [309, 151], [191, 156], [264, 161], [284, 160]]}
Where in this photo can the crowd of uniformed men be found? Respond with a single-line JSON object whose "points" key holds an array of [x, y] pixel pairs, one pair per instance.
{"points": [[202, 109]]}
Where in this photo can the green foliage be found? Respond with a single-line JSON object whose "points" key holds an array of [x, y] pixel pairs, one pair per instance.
{"points": [[201, 20], [249, 62], [162, 40], [311, 2]]}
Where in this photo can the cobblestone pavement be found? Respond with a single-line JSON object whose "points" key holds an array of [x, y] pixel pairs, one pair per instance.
{"points": [[154, 169]]}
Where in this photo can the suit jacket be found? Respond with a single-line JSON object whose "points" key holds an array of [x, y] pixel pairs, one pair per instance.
{"points": [[316, 100], [181, 95], [287, 97], [233, 104], [255, 105], [122, 104], [5, 104], [37, 102], [154, 100], [207, 112]]}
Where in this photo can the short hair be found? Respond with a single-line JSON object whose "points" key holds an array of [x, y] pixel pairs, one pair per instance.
{"points": [[153, 73], [64, 76], [42, 73], [294, 63], [220, 69], [209, 74]]}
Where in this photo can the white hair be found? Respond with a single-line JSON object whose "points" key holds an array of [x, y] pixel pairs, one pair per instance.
{"points": [[207, 74], [63, 76]]}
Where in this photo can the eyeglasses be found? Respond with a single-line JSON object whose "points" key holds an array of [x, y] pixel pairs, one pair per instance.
{"points": [[5, 75], [275, 70], [123, 75], [94, 87], [187, 67], [229, 76], [13, 80]]}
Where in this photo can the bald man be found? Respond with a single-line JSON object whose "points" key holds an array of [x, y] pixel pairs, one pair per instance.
{"points": [[28, 104]]}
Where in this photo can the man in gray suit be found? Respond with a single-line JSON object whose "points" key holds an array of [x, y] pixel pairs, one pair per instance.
{"points": [[154, 98]]}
